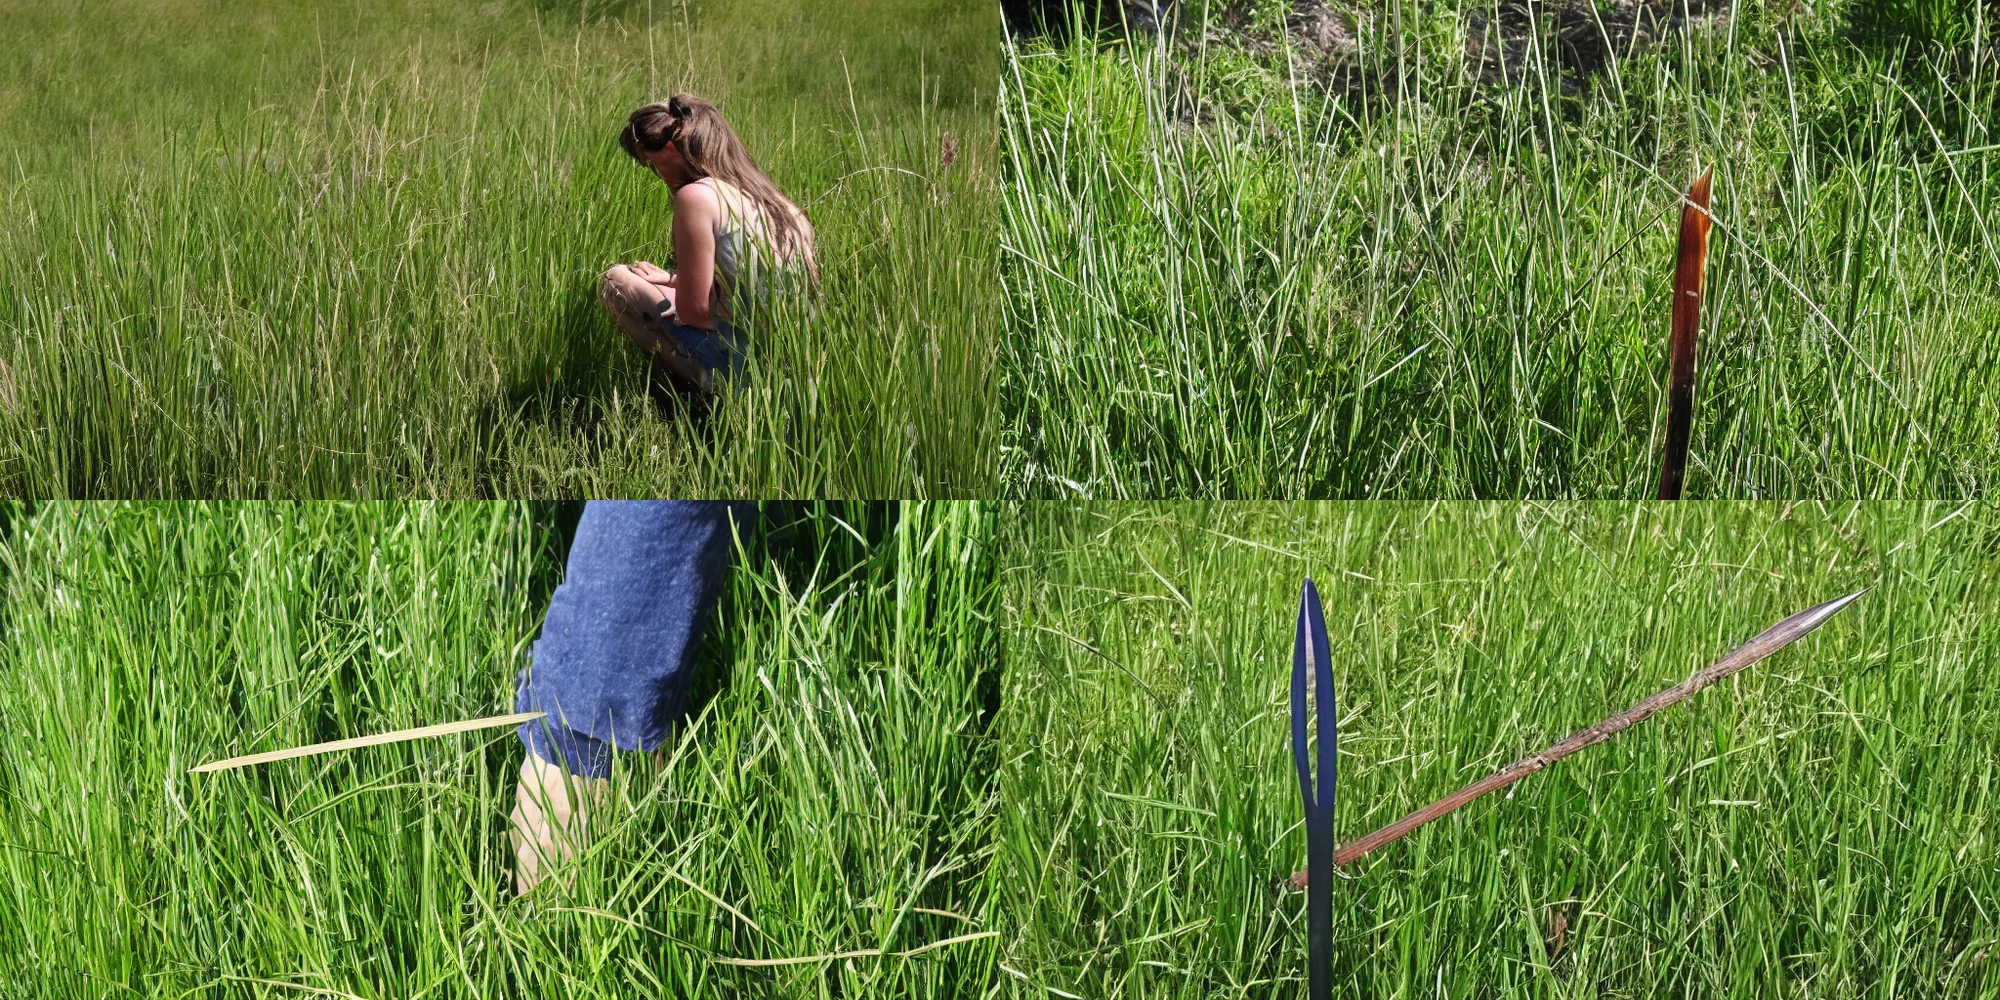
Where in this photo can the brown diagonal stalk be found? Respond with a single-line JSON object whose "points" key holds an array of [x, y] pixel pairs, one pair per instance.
{"points": [[1762, 645], [1690, 261]]}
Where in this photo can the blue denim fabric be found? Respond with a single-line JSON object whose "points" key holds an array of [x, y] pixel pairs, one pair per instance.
{"points": [[580, 755], [622, 630], [722, 352]]}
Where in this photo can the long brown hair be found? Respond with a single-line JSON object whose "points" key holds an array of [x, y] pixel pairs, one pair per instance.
{"points": [[711, 149]]}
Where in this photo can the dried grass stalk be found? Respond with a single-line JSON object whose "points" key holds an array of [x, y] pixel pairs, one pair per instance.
{"points": [[355, 743]]}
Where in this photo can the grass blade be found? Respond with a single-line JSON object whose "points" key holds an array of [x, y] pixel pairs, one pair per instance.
{"points": [[378, 739]]}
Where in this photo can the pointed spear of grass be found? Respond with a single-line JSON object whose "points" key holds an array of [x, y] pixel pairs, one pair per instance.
{"points": [[355, 743], [1760, 646], [1310, 655], [1690, 261]]}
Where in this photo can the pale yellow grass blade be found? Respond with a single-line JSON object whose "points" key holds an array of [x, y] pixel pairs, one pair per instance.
{"points": [[421, 732]]}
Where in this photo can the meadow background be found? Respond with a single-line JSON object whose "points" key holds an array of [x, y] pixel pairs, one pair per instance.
{"points": [[832, 795], [311, 248], [1242, 264], [1823, 825]]}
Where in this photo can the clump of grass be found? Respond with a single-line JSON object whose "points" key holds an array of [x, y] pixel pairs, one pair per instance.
{"points": [[327, 250], [832, 795], [1227, 280], [1822, 825]]}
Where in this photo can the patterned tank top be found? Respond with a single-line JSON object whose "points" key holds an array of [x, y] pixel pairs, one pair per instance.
{"points": [[745, 275]]}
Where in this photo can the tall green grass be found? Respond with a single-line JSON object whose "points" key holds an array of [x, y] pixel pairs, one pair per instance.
{"points": [[1821, 826], [329, 249], [833, 795], [1430, 285]]}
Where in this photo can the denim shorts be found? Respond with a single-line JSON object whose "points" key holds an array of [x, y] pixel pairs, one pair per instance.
{"points": [[723, 351]]}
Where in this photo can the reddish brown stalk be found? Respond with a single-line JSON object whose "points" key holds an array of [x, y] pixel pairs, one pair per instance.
{"points": [[1690, 261], [1762, 645]]}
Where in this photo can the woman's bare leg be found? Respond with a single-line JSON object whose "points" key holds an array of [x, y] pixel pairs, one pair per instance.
{"points": [[551, 818], [637, 307]]}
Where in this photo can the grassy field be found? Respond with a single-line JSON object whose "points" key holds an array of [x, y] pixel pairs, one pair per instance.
{"points": [[834, 795], [1105, 817], [1821, 826], [1404, 277], [330, 249]]}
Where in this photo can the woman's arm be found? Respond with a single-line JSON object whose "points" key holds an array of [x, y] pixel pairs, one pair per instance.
{"points": [[695, 214]]}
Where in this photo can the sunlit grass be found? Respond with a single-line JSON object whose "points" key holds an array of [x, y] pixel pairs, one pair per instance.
{"points": [[1432, 285], [1821, 826], [320, 249], [833, 795]]}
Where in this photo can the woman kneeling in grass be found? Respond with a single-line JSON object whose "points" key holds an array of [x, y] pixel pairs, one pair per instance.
{"points": [[737, 239]]}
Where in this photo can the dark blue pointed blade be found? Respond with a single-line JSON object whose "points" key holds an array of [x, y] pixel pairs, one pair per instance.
{"points": [[1321, 657], [1299, 735], [1312, 649]]}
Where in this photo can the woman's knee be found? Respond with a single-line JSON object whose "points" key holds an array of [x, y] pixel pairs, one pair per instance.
{"points": [[613, 287]]}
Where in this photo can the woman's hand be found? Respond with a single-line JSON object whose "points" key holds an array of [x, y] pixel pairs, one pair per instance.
{"points": [[657, 276]]}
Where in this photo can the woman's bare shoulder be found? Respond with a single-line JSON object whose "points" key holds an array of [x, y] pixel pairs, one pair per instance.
{"points": [[699, 198]]}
